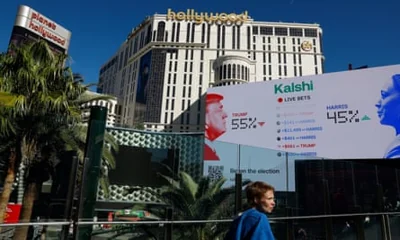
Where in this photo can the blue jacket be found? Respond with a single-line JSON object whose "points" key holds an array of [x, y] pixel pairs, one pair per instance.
{"points": [[251, 225]]}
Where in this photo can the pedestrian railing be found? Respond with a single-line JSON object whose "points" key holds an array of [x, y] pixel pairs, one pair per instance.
{"points": [[381, 225]]}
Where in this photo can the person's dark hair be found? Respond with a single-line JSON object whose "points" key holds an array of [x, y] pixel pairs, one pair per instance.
{"points": [[256, 190]]}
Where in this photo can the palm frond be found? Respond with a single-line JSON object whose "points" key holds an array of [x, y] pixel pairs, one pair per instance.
{"points": [[110, 140], [216, 187], [189, 186], [108, 157], [104, 184]]}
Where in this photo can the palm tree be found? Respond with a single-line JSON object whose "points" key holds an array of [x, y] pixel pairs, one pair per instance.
{"points": [[202, 200], [195, 201], [45, 96], [75, 139]]}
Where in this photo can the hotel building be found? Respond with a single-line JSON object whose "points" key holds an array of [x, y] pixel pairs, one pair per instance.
{"points": [[164, 67], [113, 110]]}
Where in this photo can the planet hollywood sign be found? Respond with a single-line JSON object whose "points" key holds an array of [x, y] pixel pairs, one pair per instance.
{"points": [[199, 18], [41, 25]]}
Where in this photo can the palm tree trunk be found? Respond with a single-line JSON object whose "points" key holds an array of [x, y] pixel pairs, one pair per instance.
{"points": [[26, 212], [7, 188]]}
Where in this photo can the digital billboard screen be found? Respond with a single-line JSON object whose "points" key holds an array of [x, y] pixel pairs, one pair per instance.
{"points": [[352, 114], [138, 166]]}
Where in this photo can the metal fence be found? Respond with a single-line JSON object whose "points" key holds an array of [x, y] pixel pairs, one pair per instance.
{"points": [[363, 226]]}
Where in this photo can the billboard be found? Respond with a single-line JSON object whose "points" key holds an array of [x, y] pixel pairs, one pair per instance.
{"points": [[39, 24], [143, 79], [344, 115]]}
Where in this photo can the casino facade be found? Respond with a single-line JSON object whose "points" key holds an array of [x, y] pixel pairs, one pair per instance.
{"points": [[162, 70]]}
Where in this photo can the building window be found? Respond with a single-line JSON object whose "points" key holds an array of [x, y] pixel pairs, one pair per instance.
{"points": [[309, 32], [160, 31], [233, 36], [193, 31], [255, 29], [188, 32], [203, 32], [296, 32], [223, 38], [266, 31], [178, 30], [173, 32], [208, 35], [248, 38], [224, 73], [280, 31], [238, 37], [218, 36]]}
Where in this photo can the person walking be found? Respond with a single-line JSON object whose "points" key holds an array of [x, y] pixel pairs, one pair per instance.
{"points": [[253, 223]]}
